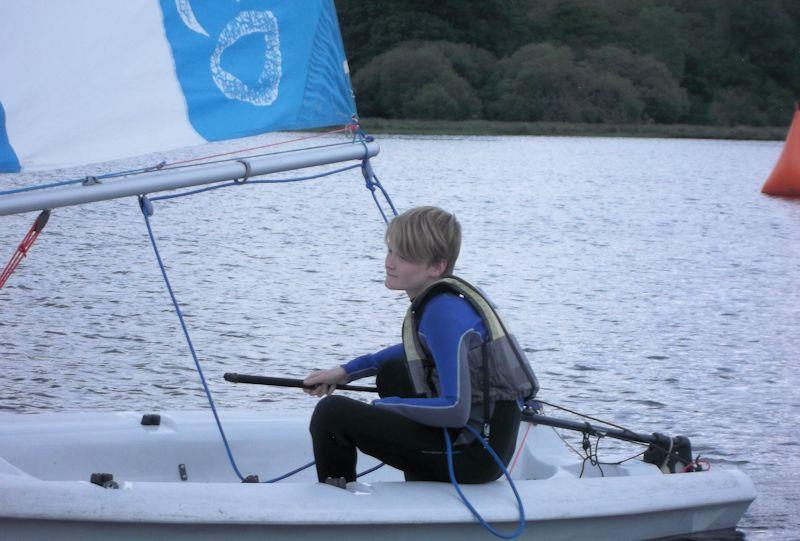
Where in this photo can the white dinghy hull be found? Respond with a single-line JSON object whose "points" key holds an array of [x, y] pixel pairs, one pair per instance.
{"points": [[46, 461]]}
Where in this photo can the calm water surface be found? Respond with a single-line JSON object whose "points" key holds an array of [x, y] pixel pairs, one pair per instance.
{"points": [[649, 280]]}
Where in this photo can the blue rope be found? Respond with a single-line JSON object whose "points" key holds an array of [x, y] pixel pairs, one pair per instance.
{"points": [[285, 475], [262, 181], [246, 157], [147, 211], [365, 472], [146, 207], [489, 528], [371, 182], [79, 180], [161, 165], [377, 183], [41, 186]]}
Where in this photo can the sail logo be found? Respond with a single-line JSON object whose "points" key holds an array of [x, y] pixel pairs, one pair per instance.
{"points": [[249, 66], [249, 22], [265, 92]]}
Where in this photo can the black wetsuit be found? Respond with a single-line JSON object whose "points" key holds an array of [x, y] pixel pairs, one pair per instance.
{"points": [[388, 429]]}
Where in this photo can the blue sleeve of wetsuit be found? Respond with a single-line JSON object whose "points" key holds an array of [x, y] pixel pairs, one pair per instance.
{"points": [[447, 326], [367, 365]]}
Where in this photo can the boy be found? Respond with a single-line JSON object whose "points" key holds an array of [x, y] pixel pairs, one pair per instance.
{"points": [[456, 366]]}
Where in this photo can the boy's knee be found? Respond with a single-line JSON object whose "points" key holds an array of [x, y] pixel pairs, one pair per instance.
{"points": [[327, 411]]}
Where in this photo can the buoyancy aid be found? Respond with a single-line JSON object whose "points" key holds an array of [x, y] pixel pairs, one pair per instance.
{"points": [[498, 367]]}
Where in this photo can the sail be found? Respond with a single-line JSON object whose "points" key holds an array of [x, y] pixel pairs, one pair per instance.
{"points": [[87, 81]]}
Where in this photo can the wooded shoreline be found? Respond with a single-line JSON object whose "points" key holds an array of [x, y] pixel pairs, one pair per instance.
{"points": [[677, 63], [494, 127]]}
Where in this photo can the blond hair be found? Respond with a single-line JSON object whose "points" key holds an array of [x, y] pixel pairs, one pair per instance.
{"points": [[426, 235]]}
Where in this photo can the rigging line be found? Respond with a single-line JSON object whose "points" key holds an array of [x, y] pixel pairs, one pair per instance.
{"points": [[306, 466], [669, 451], [561, 437], [249, 156], [521, 447], [147, 210], [385, 195], [380, 209], [285, 475], [158, 167], [571, 448], [175, 165], [83, 179], [146, 207], [370, 470], [371, 182], [41, 186], [617, 463], [314, 136], [257, 181], [591, 454], [585, 416], [475, 513]]}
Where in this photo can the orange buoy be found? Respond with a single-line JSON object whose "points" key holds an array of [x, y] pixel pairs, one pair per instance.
{"points": [[785, 177]]}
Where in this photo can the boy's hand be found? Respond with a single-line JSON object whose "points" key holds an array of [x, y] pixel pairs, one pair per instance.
{"points": [[325, 381]]}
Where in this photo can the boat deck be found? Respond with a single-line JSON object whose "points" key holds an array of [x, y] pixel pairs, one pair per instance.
{"points": [[47, 460]]}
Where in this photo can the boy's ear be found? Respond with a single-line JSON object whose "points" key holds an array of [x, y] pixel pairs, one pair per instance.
{"points": [[439, 267]]}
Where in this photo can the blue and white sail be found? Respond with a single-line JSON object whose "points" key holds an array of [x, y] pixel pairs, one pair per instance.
{"points": [[87, 81]]}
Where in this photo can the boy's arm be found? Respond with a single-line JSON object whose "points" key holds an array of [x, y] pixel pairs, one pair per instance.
{"points": [[367, 365], [449, 327]]}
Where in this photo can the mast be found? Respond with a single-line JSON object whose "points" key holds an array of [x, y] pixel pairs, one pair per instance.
{"points": [[157, 181]]}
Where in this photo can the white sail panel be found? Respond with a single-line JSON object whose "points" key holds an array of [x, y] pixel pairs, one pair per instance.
{"points": [[88, 81]]}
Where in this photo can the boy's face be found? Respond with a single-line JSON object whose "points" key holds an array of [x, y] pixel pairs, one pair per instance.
{"points": [[412, 277]]}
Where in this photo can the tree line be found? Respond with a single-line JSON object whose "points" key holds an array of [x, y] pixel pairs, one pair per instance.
{"points": [[714, 62]]}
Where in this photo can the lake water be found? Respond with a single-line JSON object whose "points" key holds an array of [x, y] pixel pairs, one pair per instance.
{"points": [[649, 280]]}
